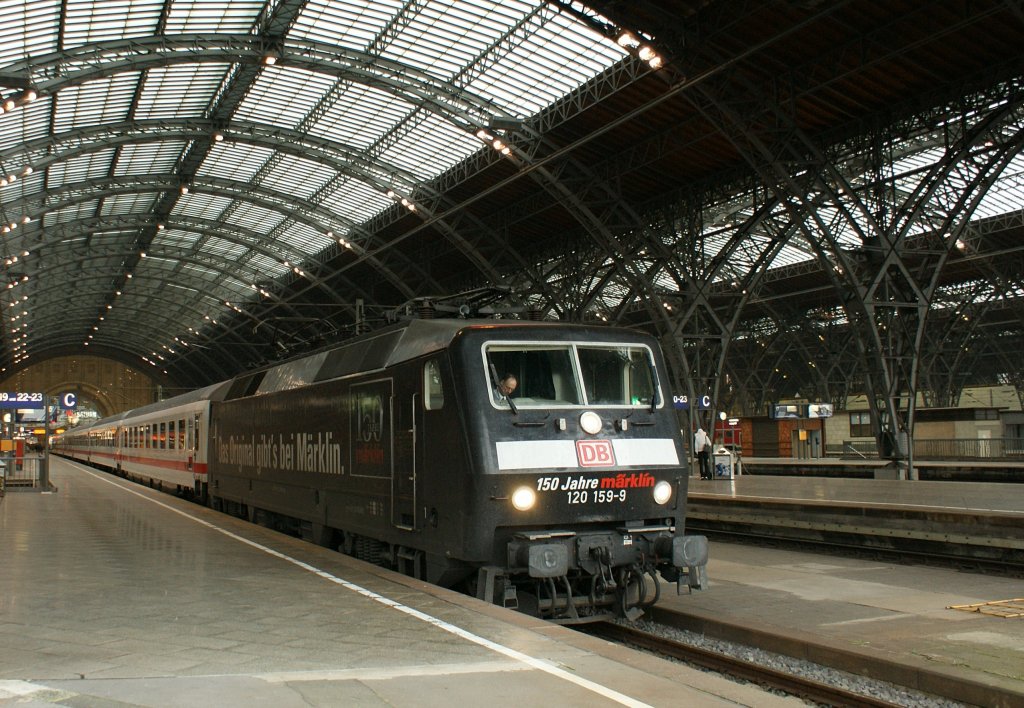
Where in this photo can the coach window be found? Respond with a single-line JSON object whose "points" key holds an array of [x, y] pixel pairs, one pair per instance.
{"points": [[172, 435], [181, 433], [163, 436], [433, 392]]}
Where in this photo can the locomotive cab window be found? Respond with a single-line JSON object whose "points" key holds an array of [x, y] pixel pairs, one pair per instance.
{"points": [[433, 391], [569, 375], [618, 377]]}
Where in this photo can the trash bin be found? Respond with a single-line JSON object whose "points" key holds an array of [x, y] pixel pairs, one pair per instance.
{"points": [[723, 464]]}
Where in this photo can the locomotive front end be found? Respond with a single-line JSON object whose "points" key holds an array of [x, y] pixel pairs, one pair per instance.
{"points": [[583, 487]]}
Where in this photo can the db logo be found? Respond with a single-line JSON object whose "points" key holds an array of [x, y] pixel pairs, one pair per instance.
{"points": [[595, 453]]}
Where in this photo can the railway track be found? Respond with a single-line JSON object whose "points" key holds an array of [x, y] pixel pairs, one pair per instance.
{"points": [[985, 542], [805, 688]]}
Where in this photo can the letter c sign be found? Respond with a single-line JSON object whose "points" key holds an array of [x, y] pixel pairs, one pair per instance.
{"points": [[68, 401]]}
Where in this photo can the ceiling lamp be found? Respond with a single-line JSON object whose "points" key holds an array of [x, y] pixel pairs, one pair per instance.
{"points": [[627, 40]]}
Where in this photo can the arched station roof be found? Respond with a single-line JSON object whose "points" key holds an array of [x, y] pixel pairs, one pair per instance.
{"points": [[206, 186]]}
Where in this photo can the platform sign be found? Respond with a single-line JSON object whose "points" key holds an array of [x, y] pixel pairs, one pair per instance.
{"points": [[9, 399], [68, 401], [683, 402]]}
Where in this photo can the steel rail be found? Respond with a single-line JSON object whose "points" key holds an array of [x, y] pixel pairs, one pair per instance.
{"points": [[808, 689]]}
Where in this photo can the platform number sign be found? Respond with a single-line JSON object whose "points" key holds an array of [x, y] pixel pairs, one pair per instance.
{"points": [[9, 399]]}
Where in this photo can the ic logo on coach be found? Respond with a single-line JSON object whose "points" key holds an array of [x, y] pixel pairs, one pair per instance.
{"points": [[595, 453]]}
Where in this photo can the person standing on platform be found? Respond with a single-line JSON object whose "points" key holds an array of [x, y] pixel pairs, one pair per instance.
{"points": [[702, 446]]}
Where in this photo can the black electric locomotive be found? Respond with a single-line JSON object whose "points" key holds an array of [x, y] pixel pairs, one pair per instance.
{"points": [[563, 496]]}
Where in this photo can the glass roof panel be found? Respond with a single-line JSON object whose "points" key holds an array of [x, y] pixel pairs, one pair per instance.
{"points": [[303, 238], [223, 248], [208, 274], [103, 100], [97, 20], [112, 239], [235, 161], [268, 267], [181, 91], [296, 177], [363, 116], [22, 125], [90, 165], [21, 188], [170, 239], [429, 145], [1007, 194], [202, 205], [357, 199], [283, 96], [256, 218], [28, 28], [194, 16], [522, 84], [120, 204], [149, 158], [348, 24]]}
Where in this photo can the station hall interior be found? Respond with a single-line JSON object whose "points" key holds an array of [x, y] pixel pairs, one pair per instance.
{"points": [[267, 266], [806, 202]]}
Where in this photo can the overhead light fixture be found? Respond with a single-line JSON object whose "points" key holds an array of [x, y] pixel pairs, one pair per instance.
{"points": [[627, 40], [19, 99], [647, 54]]}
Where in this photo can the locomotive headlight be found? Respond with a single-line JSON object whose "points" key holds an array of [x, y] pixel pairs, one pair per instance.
{"points": [[662, 492], [524, 498], [591, 422]]}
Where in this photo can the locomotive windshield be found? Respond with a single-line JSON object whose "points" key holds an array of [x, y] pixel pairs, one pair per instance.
{"points": [[551, 375]]}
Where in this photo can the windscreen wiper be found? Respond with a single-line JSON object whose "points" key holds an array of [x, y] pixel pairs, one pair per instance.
{"points": [[655, 398]]}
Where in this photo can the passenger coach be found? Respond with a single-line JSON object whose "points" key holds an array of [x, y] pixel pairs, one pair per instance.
{"points": [[565, 498]]}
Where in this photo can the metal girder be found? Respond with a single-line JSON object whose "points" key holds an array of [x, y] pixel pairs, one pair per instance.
{"points": [[776, 156]]}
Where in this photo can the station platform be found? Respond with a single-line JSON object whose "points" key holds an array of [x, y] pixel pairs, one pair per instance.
{"points": [[950, 633], [978, 497], [1001, 470], [953, 632], [112, 594]]}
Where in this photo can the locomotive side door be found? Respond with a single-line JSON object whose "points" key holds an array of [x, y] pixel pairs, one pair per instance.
{"points": [[403, 482]]}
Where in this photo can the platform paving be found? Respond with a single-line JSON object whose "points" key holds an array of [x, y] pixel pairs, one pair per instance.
{"points": [[112, 594]]}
